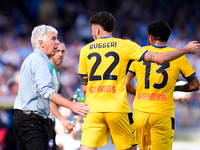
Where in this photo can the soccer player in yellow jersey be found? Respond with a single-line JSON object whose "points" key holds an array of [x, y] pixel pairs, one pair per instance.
{"points": [[153, 106], [102, 67]]}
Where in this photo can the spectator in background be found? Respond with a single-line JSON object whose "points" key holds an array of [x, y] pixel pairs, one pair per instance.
{"points": [[3, 129], [36, 92], [10, 140], [4, 90]]}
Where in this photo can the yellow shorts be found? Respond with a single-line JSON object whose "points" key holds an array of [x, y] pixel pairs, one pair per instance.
{"points": [[154, 131], [96, 127]]}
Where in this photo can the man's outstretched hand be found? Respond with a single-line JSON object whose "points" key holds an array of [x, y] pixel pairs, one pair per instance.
{"points": [[193, 47], [80, 108]]}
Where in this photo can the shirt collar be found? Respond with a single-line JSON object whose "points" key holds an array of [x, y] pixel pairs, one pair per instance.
{"points": [[36, 50], [159, 46], [103, 37]]}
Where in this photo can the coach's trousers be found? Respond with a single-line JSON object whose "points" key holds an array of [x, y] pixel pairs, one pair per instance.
{"points": [[30, 131]]}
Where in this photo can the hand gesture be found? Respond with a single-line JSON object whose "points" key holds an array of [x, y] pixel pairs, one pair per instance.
{"points": [[80, 108], [67, 125], [193, 47]]}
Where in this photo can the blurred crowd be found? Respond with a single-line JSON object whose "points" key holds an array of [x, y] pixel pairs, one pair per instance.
{"points": [[70, 18]]}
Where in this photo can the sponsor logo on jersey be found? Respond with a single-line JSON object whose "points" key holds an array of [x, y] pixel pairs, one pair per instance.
{"points": [[151, 96], [102, 89]]}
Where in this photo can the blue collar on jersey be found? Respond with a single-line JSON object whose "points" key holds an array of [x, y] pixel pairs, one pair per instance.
{"points": [[159, 46], [105, 37]]}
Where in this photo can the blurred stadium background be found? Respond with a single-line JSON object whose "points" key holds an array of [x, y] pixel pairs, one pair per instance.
{"points": [[70, 18]]}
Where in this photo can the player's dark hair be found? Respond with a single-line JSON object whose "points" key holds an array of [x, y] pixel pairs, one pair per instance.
{"points": [[104, 19], [160, 30]]}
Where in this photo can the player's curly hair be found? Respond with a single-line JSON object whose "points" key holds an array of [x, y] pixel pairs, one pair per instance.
{"points": [[160, 30], [104, 19]]}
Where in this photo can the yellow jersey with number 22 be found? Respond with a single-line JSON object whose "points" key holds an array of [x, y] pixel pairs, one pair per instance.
{"points": [[105, 61]]}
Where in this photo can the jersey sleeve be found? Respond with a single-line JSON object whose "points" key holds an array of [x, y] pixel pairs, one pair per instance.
{"points": [[82, 71], [132, 67], [185, 68], [135, 51]]}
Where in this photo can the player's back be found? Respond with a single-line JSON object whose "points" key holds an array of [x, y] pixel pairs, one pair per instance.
{"points": [[156, 82], [105, 61]]}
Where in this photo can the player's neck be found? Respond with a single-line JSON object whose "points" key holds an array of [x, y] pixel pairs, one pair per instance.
{"points": [[105, 34], [56, 66], [159, 43]]}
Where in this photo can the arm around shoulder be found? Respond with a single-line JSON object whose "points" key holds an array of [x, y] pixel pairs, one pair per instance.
{"points": [[191, 48]]}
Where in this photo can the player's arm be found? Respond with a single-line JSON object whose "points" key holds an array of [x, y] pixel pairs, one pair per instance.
{"points": [[191, 48], [129, 86], [192, 85], [66, 123], [79, 108], [84, 82], [55, 112]]}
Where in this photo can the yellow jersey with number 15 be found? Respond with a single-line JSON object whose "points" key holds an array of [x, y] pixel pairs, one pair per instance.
{"points": [[156, 82], [105, 61]]}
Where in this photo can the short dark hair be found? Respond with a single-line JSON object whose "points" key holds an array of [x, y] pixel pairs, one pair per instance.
{"points": [[104, 19], [160, 30]]}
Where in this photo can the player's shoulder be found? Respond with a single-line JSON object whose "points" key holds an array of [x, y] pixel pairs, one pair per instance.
{"points": [[174, 49], [121, 40], [170, 48], [159, 48], [126, 41]]}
